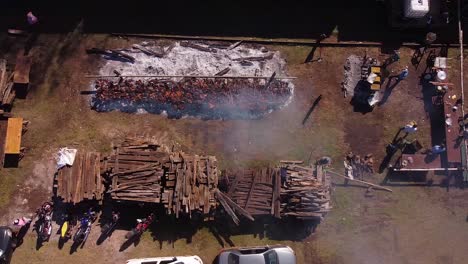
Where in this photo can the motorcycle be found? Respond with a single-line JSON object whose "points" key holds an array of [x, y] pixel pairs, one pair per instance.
{"points": [[85, 228], [44, 229], [141, 227], [109, 226], [66, 228]]}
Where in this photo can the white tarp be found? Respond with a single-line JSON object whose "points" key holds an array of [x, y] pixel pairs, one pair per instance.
{"points": [[65, 156]]}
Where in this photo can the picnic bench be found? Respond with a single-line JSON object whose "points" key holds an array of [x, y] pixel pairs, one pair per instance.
{"points": [[13, 141]]}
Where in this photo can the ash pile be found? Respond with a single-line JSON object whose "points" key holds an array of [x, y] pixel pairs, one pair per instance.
{"points": [[165, 83], [352, 74]]}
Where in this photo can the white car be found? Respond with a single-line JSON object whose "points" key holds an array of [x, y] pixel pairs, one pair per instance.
{"points": [[167, 260]]}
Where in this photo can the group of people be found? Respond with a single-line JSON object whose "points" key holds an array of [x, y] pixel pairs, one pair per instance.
{"points": [[412, 127]]}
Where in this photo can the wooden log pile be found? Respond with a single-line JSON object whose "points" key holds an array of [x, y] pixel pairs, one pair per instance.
{"points": [[286, 191], [255, 190], [145, 173], [190, 183], [305, 192], [7, 93], [82, 181]]}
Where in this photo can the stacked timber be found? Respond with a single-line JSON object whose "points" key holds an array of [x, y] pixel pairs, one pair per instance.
{"points": [[82, 181], [305, 192], [255, 190], [142, 184], [7, 93], [286, 191], [145, 173], [190, 183]]}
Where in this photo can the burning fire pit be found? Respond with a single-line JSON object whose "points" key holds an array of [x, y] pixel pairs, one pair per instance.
{"points": [[208, 98]]}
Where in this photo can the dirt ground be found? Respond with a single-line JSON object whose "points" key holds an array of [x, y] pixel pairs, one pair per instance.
{"points": [[414, 224]]}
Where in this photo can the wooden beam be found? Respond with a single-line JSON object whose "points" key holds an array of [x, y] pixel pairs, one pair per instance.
{"points": [[186, 76], [236, 206], [228, 209], [363, 182]]}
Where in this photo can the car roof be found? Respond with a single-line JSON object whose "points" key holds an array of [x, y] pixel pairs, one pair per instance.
{"points": [[252, 259], [284, 253], [184, 259], [5, 237]]}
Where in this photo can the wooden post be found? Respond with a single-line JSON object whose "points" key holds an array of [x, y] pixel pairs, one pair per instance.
{"points": [[363, 182]]}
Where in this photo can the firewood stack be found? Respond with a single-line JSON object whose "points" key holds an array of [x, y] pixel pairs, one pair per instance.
{"points": [[82, 181], [305, 193], [255, 190], [146, 173], [7, 93], [288, 190], [190, 183]]}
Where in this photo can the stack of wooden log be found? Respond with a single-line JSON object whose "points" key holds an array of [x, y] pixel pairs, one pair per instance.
{"points": [[82, 181], [7, 93], [289, 190], [305, 192], [182, 183], [190, 183], [255, 190]]}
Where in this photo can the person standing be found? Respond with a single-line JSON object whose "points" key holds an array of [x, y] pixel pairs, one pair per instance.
{"points": [[410, 128], [404, 73], [395, 56], [436, 149]]}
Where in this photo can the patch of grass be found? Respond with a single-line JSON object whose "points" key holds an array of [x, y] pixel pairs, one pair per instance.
{"points": [[343, 202], [294, 54]]}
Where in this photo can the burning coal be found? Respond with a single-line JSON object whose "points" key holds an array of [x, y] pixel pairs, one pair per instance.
{"points": [[202, 97]]}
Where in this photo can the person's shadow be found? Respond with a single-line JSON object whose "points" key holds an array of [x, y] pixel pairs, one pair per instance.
{"points": [[389, 89]]}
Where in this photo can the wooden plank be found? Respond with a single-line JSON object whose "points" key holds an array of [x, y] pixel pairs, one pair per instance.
{"points": [[13, 135], [76, 178], [86, 175], [234, 205], [228, 209], [22, 69], [3, 130], [277, 190], [233, 187], [3, 75], [250, 191]]}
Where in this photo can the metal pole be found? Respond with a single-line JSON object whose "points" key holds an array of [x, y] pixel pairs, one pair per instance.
{"points": [[460, 39], [186, 76]]}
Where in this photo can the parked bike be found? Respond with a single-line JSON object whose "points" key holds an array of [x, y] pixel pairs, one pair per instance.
{"points": [[141, 227], [44, 228], [107, 228], [67, 225], [83, 231]]}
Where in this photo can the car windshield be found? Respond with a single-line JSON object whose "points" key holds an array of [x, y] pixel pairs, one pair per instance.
{"points": [[233, 259], [271, 257]]}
